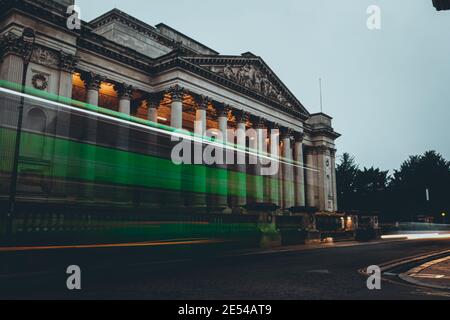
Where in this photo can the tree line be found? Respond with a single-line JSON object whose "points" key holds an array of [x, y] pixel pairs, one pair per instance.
{"points": [[420, 187]]}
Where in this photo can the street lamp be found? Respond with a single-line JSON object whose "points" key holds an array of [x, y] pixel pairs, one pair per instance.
{"points": [[444, 215], [28, 39]]}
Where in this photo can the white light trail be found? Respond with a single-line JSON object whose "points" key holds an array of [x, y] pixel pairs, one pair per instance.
{"points": [[149, 128]]}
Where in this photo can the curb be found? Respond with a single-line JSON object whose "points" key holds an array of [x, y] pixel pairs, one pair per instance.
{"points": [[407, 276], [396, 263], [399, 262]]}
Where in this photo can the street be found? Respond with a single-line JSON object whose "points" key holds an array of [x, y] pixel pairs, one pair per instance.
{"points": [[302, 272]]}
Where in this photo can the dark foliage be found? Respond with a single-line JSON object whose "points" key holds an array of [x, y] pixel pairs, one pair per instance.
{"points": [[400, 196]]}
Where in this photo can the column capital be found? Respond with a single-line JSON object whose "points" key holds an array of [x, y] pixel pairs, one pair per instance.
{"points": [[203, 102], [299, 136], [273, 125], [286, 133], [67, 61], [241, 116], [11, 43], [177, 92], [124, 91], [222, 109], [259, 122], [154, 100], [92, 81], [333, 152]]}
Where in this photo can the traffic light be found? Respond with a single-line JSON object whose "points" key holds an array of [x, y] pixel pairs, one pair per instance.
{"points": [[441, 4]]}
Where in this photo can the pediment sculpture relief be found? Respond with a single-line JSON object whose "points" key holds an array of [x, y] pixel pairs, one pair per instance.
{"points": [[254, 79]]}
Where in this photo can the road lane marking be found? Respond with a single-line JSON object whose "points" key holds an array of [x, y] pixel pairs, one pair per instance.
{"points": [[428, 276], [114, 245]]}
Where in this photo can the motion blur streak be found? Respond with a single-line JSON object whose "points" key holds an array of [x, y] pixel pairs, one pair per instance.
{"points": [[416, 236], [175, 133], [117, 245]]}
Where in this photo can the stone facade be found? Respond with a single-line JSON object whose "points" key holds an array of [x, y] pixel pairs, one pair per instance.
{"points": [[158, 73]]}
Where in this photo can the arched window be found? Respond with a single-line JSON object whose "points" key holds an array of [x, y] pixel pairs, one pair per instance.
{"points": [[36, 120], [34, 140]]}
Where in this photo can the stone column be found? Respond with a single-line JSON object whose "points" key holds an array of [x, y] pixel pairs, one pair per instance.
{"points": [[93, 82], [323, 164], [221, 177], [319, 181], [176, 114], [181, 186], [241, 182], [200, 170], [13, 50], [125, 93], [152, 106], [258, 179], [311, 178], [299, 171], [67, 65], [200, 116], [333, 171], [288, 171], [222, 112], [274, 180]]}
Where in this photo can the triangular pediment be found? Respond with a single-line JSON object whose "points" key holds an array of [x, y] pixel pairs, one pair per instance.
{"points": [[252, 73]]}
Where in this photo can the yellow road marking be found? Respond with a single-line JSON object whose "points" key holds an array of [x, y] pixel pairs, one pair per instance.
{"points": [[115, 245]]}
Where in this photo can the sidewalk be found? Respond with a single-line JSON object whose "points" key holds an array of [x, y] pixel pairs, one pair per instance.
{"points": [[433, 274]]}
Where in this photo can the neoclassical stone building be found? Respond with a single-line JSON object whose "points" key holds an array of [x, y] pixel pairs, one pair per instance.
{"points": [[159, 74]]}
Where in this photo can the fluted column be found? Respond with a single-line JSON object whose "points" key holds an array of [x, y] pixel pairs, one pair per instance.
{"points": [[241, 118], [288, 172], [311, 178], [152, 107], [12, 53], [222, 112], [299, 171], [125, 93], [274, 180], [333, 174], [176, 114], [67, 65], [92, 82], [200, 116], [181, 185], [221, 178], [258, 179], [200, 169]]}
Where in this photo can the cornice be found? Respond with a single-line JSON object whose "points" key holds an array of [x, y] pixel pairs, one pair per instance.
{"points": [[139, 26], [327, 132], [97, 45], [44, 10]]}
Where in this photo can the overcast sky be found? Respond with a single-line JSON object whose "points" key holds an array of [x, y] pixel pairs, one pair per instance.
{"points": [[388, 90]]}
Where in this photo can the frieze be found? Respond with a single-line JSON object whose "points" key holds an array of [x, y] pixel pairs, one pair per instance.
{"points": [[45, 57]]}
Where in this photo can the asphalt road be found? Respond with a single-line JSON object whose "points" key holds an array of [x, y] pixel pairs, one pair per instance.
{"points": [[293, 273]]}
